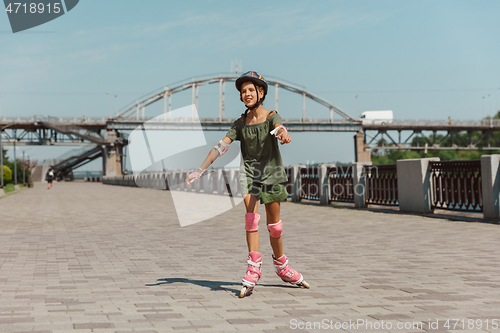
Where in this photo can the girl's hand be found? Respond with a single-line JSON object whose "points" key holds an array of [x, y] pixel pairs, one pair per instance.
{"points": [[189, 181], [194, 176], [284, 137]]}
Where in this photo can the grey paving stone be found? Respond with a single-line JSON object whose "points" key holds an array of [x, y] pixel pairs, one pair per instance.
{"points": [[31, 331], [92, 326], [13, 320], [162, 317], [183, 328], [89, 257], [245, 321]]}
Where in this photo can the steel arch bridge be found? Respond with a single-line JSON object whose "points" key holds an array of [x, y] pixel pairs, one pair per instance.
{"points": [[108, 134], [166, 95]]}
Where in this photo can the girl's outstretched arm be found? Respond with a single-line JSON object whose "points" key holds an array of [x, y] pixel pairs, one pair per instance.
{"points": [[216, 151]]}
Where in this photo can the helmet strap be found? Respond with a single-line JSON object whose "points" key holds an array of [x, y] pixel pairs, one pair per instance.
{"points": [[259, 101]]}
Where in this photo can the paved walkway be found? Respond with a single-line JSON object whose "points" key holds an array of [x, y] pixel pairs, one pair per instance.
{"points": [[87, 257]]}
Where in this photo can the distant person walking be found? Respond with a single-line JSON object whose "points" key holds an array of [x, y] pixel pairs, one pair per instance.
{"points": [[49, 177]]}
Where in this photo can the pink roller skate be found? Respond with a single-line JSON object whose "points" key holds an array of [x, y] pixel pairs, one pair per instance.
{"points": [[252, 275], [287, 274]]}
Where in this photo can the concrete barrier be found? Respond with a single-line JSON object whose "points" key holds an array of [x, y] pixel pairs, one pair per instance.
{"points": [[207, 182], [414, 185], [295, 181], [359, 183], [490, 178], [324, 188], [169, 180]]}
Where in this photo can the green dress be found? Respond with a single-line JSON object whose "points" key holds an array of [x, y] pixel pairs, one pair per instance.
{"points": [[262, 173]]}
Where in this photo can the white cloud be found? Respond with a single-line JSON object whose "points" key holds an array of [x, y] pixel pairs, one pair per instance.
{"points": [[263, 27]]}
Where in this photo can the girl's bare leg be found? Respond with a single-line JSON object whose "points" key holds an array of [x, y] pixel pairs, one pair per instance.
{"points": [[273, 216], [252, 236]]}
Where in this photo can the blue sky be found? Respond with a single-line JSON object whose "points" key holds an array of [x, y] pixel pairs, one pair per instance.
{"points": [[421, 59]]}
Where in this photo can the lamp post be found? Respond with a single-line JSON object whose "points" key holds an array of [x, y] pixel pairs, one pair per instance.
{"points": [[109, 103], [357, 104], [1, 156], [28, 169], [15, 163], [483, 105], [498, 100], [24, 173], [24, 168], [116, 105], [29, 174], [489, 96]]}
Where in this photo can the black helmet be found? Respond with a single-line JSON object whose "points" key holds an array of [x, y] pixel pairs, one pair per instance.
{"points": [[255, 77]]}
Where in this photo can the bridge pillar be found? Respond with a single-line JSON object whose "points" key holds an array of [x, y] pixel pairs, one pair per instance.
{"points": [[360, 152], [112, 155], [104, 160], [113, 164]]}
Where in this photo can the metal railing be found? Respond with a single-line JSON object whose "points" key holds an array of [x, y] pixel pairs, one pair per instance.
{"points": [[102, 120], [72, 120], [381, 184], [443, 122], [309, 183], [341, 184], [456, 185]]}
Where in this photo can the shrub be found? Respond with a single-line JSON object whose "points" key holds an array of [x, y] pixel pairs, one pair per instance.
{"points": [[7, 174]]}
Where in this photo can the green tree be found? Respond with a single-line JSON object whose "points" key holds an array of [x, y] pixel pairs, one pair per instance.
{"points": [[7, 174], [389, 156], [19, 170]]}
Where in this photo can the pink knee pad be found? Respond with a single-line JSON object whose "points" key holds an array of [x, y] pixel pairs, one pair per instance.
{"points": [[252, 222], [275, 229]]}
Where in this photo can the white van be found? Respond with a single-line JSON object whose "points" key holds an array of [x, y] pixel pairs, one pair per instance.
{"points": [[376, 117]]}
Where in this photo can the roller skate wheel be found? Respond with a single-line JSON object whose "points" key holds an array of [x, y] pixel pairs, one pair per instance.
{"points": [[245, 291], [305, 284]]}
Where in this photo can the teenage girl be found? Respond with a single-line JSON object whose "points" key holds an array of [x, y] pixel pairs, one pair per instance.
{"points": [[263, 177]]}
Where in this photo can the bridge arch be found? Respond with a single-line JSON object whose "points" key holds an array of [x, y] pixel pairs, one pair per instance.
{"points": [[166, 95]]}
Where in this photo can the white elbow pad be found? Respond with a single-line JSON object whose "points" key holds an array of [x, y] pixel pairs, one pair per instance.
{"points": [[222, 147]]}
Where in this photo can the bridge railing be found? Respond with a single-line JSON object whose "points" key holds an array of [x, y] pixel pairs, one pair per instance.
{"points": [[103, 120], [71, 120], [225, 120], [444, 122], [405, 122]]}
